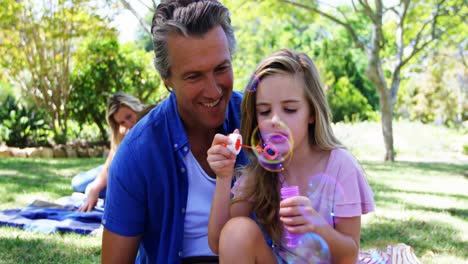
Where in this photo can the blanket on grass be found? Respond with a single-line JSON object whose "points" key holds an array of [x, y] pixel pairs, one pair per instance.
{"points": [[61, 216], [394, 254], [49, 217]]}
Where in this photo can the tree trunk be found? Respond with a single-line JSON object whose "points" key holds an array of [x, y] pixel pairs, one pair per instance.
{"points": [[375, 74], [387, 130]]}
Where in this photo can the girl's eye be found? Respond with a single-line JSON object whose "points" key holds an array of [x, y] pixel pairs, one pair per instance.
{"points": [[264, 113], [287, 110]]}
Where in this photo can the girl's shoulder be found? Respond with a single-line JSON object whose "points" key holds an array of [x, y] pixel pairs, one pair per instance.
{"points": [[341, 158]]}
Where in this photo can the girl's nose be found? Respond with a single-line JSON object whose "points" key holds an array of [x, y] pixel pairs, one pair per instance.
{"points": [[275, 120]]}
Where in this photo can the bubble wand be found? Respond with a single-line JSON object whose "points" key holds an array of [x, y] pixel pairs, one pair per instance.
{"points": [[269, 150]]}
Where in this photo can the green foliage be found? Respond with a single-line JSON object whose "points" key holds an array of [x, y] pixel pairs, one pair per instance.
{"points": [[263, 27], [104, 67], [342, 61], [272, 26], [38, 42], [436, 91], [346, 102], [22, 126], [139, 75], [94, 78], [144, 40], [5, 90]]}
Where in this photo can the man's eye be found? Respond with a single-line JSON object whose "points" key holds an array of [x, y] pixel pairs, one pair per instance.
{"points": [[223, 69], [191, 77]]}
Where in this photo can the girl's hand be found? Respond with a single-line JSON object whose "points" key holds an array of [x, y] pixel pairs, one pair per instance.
{"points": [[298, 216], [220, 158]]}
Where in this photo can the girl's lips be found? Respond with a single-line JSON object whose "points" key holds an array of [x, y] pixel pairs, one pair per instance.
{"points": [[276, 138]]}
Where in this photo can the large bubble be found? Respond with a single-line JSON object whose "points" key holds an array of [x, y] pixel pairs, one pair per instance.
{"points": [[272, 143]]}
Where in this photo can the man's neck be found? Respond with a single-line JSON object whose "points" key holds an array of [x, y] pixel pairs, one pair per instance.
{"points": [[200, 141]]}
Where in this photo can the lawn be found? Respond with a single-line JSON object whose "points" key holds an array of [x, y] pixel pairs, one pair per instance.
{"points": [[421, 198]]}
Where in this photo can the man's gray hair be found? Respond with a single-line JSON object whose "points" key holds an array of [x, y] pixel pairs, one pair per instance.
{"points": [[188, 18]]}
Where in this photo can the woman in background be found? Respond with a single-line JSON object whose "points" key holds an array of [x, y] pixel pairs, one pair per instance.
{"points": [[122, 113]]}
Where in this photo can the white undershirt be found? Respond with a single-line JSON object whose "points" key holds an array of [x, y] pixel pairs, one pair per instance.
{"points": [[201, 189]]}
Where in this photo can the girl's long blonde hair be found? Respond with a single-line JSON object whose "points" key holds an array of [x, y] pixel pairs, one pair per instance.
{"points": [[263, 185]]}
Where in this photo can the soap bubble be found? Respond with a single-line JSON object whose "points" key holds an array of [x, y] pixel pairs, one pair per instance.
{"points": [[272, 143]]}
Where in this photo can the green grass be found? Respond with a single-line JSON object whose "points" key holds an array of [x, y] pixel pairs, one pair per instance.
{"points": [[424, 205], [21, 182], [421, 199]]}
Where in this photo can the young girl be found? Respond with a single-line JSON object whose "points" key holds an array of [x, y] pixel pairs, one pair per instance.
{"points": [[333, 190]]}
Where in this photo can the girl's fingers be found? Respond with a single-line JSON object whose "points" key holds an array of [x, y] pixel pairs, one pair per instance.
{"points": [[301, 229]]}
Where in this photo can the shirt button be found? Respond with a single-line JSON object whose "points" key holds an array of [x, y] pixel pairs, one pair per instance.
{"points": [[183, 210], [185, 149], [175, 145], [180, 253], [182, 169]]}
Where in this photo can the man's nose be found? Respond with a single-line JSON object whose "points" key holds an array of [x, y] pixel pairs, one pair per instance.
{"points": [[212, 87]]}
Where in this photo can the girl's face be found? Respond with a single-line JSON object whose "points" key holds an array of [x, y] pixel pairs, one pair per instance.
{"points": [[281, 97], [125, 117]]}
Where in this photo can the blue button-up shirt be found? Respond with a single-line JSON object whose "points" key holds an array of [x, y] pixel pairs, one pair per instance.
{"points": [[148, 186]]}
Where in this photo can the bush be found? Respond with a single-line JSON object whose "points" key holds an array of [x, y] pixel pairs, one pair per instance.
{"points": [[347, 103], [22, 126]]}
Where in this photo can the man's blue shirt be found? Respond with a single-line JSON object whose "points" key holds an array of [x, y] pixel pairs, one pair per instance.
{"points": [[148, 186]]}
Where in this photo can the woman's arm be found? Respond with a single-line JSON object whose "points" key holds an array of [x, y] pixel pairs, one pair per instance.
{"points": [[97, 185]]}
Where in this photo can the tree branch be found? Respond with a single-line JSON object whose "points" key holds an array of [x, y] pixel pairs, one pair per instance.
{"points": [[141, 20], [347, 26]]}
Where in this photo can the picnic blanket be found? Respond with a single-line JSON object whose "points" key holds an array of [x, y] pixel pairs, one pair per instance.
{"points": [[394, 254], [49, 217]]}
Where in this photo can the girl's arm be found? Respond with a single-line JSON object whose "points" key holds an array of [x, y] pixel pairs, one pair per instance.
{"points": [[343, 241], [219, 213], [222, 162], [298, 216]]}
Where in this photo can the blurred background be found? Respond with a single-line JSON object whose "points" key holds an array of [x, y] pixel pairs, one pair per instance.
{"points": [[393, 66]]}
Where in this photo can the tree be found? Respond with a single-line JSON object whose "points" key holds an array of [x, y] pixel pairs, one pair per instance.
{"points": [[399, 32], [38, 42], [103, 68], [144, 23]]}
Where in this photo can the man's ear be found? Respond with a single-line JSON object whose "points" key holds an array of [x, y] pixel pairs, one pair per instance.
{"points": [[167, 82], [312, 119]]}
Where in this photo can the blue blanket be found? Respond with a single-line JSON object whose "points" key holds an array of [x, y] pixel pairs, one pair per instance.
{"points": [[49, 217]]}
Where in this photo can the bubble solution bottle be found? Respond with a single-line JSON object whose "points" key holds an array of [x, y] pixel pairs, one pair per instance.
{"points": [[304, 248]]}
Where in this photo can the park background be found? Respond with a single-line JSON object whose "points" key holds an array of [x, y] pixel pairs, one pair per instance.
{"points": [[395, 74]]}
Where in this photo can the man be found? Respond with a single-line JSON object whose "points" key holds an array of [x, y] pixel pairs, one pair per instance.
{"points": [[160, 184]]}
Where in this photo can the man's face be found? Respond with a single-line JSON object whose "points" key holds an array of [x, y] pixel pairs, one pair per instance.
{"points": [[201, 77]]}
